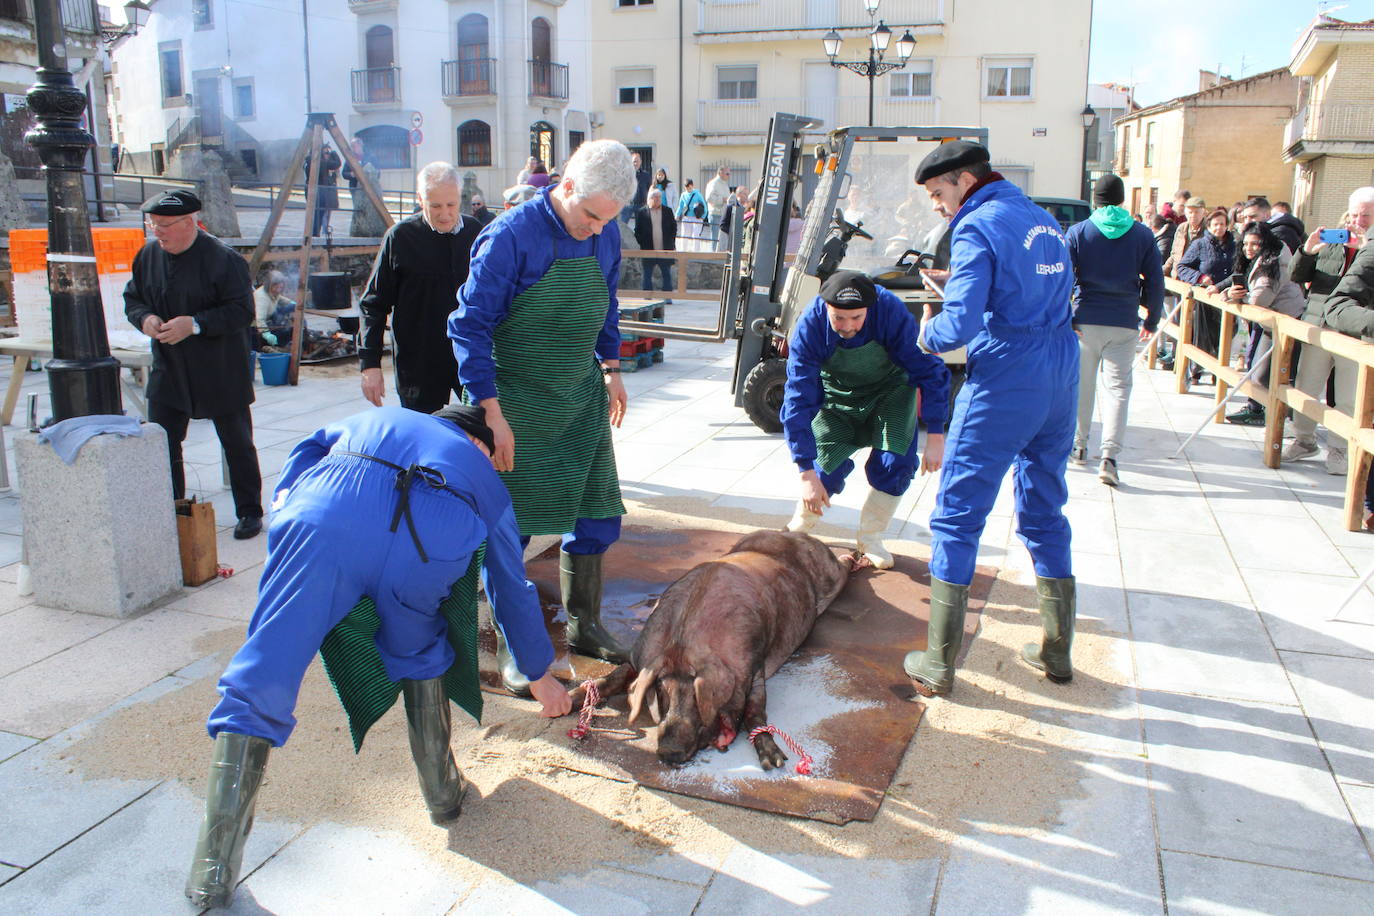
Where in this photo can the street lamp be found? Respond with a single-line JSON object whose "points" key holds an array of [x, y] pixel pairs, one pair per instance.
{"points": [[1089, 118], [878, 40], [135, 17], [83, 378]]}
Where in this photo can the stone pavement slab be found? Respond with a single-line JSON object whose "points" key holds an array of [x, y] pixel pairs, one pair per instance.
{"points": [[752, 882], [1245, 781], [33, 633], [599, 892], [1361, 801], [1295, 608], [11, 744], [1274, 542], [1335, 694], [1212, 886], [1180, 564], [138, 855]]}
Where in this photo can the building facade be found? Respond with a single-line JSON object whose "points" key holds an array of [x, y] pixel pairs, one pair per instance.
{"points": [[1109, 102], [1222, 143], [480, 83], [692, 83], [1330, 140]]}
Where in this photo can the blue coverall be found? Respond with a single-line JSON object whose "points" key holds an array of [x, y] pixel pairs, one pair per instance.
{"points": [[329, 544], [815, 341], [1008, 301]]}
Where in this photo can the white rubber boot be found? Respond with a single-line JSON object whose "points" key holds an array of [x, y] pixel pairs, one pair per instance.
{"points": [[873, 522], [803, 520]]}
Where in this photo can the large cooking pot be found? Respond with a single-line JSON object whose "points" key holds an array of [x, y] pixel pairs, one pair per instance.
{"points": [[330, 290], [348, 324]]}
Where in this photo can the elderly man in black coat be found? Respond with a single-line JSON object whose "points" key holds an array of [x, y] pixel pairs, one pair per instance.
{"points": [[656, 230], [192, 295]]}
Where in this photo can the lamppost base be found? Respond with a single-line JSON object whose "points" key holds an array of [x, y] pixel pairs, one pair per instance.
{"points": [[84, 387]]}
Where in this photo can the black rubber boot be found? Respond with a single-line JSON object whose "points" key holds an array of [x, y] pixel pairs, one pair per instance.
{"points": [[427, 715], [230, 794], [932, 670], [511, 678], [1058, 609], [579, 576]]}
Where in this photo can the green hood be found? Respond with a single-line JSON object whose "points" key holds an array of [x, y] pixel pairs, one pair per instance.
{"points": [[1113, 221]]}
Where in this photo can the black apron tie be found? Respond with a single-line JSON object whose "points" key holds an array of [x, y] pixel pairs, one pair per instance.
{"points": [[405, 478]]}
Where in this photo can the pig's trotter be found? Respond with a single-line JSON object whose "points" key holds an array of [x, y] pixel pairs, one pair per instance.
{"points": [[579, 575], [755, 716], [770, 755]]}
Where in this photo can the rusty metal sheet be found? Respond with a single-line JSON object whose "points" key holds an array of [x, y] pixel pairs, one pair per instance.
{"points": [[843, 695]]}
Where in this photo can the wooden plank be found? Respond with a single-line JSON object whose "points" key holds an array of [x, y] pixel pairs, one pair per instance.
{"points": [[1279, 360], [312, 189], [1228, 332], [279, 205], [1357, 465], [364, 182], [1185, 337]]}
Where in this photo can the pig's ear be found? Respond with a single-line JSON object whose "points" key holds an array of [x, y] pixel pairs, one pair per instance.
{"points": [[710, 693], [638, 690]]}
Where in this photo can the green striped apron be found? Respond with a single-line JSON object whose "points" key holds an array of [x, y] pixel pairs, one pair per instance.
{"points": [[868, 404], [355, 668], [554, 397]]}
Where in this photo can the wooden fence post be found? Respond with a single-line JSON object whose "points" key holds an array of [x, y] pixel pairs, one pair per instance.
{"points": [[1185, 337], [1357, 465], [1275, 408], [1228, 331]]}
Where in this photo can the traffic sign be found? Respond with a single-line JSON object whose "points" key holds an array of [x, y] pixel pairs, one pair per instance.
{"points": [[417, 120], [416, 138]]}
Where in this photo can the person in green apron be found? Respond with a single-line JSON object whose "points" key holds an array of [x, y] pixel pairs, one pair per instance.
{"points": [[853, 373], [537, 337]]}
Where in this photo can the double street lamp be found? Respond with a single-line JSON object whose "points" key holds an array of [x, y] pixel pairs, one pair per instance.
{"points": [[878, 40]]}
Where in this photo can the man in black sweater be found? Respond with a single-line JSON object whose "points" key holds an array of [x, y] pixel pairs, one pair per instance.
{"points": [[422, 262]]}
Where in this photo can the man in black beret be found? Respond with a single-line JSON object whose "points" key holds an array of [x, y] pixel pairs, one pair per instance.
{"points": [[853, 370], [1008, 301], [371, 562], [192, 295]]}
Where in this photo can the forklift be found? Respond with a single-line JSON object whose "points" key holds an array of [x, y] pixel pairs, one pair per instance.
{"points": [[864, 212]]}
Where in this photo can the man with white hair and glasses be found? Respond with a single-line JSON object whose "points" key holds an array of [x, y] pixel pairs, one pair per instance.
{"points": [[537, 339], [422, 261]]}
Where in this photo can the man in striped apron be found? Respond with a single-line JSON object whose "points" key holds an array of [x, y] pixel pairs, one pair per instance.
{"points": [[537, 338], [853, 370]]}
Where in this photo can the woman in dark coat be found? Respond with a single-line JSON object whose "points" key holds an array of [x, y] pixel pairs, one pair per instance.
{"points": [[1208, 263]]}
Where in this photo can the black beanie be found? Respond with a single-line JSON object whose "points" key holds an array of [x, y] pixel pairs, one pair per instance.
{"points": [[471, 419], [1109, 191]]}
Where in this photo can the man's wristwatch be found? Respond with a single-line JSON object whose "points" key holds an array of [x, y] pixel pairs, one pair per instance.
{"points": [[195, 326]]}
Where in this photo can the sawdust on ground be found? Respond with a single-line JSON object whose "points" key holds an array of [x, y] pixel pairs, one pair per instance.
{"points": [[992, 755]]}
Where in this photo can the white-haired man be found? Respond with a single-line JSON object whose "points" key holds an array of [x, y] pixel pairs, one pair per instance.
{"points": [[422, 262], [537, 338]]}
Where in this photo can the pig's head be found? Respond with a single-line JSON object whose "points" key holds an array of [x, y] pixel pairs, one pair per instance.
{"points": [[689, 705]]}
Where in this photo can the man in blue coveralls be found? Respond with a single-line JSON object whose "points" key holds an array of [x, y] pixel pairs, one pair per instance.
{"points": [[1008, 301], [389, 504], [853, 370]]}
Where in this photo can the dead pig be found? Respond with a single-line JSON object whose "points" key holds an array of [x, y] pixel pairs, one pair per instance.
{"points": [[716, 635]]}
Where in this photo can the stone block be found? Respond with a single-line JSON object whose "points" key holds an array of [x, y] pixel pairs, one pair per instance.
{"points": [[100, 532]]}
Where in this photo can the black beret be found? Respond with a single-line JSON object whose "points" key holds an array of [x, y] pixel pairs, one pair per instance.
{"points": [[849, 289], [177, 202], [471, 419], [947, 157]]}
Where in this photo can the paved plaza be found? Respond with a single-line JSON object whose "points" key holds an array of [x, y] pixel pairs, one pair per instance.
{"points": [[1215, 755]]}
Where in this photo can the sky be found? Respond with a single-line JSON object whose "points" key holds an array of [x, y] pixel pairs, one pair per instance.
{"points": [[1159, 45]]}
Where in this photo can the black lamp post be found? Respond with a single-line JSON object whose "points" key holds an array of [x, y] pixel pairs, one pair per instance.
{"points": [[1089, 117], [874, 66], [83, 378]]}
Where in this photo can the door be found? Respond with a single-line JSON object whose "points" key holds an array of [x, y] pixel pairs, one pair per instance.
{"points": [[820, 83], [208, 107]]}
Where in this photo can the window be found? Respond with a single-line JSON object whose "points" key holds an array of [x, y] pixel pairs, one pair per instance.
{"points": [[1149, 144], [243, 99], [738, 81], [1019, 175], [628, 3], [13, 9], [386, 146], [575, 139], [541, 40], [1125, 148], [915, 82], [169, 63], [1007, 78], [635, 87], [202, 14], [474, 143], [474, 64], [739, 175]]}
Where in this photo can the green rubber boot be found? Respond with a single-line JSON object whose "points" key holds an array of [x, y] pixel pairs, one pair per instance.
{"points": [[511, 678], [427, 716], [1058, 609], [932, 670], [235, 774], [579, 576]]}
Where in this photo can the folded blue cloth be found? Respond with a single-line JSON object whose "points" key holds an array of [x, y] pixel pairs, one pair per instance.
{"points": [[68, 436]]}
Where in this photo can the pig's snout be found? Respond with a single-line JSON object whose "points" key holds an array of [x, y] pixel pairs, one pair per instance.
{"points": [[678, 741]]}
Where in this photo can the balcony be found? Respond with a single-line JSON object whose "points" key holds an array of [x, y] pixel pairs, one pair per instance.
{"points": [[78, 19], [548, 80], [788, 19], [1334, 128], [466, 79], [749, 117], [377, 88], [372, 6]]}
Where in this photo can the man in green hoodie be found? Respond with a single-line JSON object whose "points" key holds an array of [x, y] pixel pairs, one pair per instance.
{"points": [[1116, 267]]}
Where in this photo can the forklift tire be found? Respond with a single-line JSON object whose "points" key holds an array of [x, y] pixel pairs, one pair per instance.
{"points": [[762, 394]]}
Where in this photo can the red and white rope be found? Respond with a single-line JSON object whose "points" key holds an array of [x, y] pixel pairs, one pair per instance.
{"points": [[805, 761], [584, 718]]}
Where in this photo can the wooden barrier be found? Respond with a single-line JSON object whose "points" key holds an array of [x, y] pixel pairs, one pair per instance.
{"points": [[1280, 393], [680, 259]]}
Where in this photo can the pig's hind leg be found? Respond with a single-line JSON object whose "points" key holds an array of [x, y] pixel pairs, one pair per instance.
{"points": [[755, 716]]}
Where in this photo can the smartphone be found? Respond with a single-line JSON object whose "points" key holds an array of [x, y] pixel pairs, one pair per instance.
{"points": [[1335, 236]]}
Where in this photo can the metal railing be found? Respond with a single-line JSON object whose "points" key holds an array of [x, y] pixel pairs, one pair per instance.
{"points": [[548, 80], [750, 116], [377, 86], [78, 16], [1280, 394], [474, 76], [1341, 121], [714, 17]]}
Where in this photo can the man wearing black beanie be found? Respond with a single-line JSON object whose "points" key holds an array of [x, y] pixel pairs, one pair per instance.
{"points": [[1116, 268]]}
